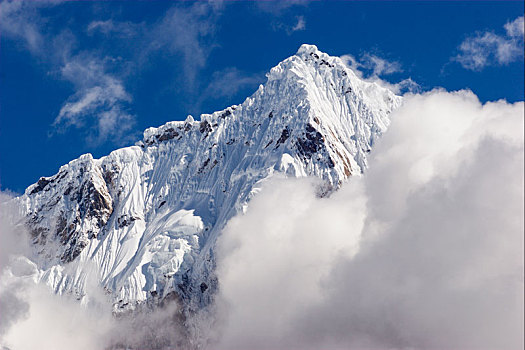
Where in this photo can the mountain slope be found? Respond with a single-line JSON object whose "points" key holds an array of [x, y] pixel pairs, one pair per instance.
{"points": [[144, 219]]}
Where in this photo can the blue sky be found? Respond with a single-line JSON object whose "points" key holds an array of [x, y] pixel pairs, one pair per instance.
{"points": [[79, 77]]}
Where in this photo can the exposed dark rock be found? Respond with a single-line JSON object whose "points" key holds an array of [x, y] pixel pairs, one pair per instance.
{"points": [[203, 166], [311, 143], [225, 114], [168, 134], [125, 220], [326, 63], [205, 128], [40, 185], [89, 208], [285, 134]]}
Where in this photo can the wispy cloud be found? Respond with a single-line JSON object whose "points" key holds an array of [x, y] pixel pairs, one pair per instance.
{"points": [[380, 66], [188, 31], [278, 7], [371, 67], [100, 100], [376, 65], [487, 48], [20, 20], [300, 25], [100, 104], [185, 31], [228, 82], [282, 18], [123, 29]]}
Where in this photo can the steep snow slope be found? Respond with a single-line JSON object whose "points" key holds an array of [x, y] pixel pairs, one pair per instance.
{"points": [[144, 219]]}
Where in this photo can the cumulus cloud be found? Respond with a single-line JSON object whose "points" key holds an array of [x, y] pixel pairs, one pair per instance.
{"points": [[53, 322], [62, 322], [425, 251], [487, 48], [28, 308], [33, 317]]}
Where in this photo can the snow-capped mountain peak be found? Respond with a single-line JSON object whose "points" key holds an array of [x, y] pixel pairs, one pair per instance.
{"points": [[146, 218]]}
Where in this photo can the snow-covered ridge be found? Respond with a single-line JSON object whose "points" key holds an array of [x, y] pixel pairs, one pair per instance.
{"points": [[145, 218]]}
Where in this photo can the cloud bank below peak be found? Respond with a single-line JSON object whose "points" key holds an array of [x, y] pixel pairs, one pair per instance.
{"points": [[425, 251]]}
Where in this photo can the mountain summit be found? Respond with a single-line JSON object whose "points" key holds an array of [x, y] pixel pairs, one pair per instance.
{"points": [[145, 219]]}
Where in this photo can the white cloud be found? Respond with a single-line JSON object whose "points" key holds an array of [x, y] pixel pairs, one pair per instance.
{"points": [[278, 7], [66, 321], [282, 16], [187, 30], [425, 251], [123, 29], [370, 67], [379, 66], [227, 82], [437, 223], [100, 101], [376, 65], [515, 28], [300, 25], [20, 20], [487, 48]]}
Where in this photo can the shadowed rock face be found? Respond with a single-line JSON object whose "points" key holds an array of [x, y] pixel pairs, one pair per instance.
{"points": [[77, 206], [147, 217], [312, 143]]}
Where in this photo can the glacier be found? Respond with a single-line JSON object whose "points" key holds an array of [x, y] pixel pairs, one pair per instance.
{"points": [[144, 220]]}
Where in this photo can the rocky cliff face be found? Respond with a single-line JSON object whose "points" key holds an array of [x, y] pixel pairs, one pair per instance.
{"points": [[144, 219]]}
